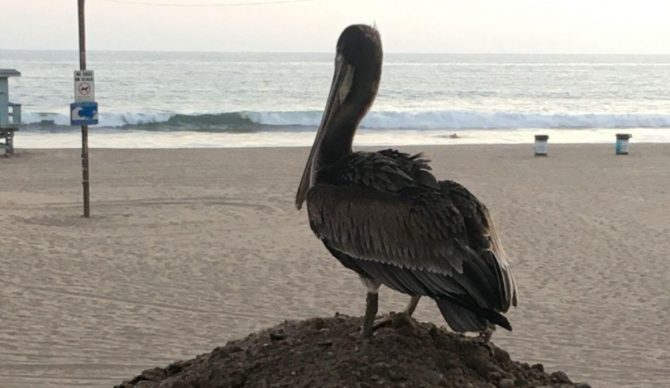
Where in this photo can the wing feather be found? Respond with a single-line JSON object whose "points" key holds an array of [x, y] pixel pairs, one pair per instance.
{"points": [[415, 242], [485, 240], [382, 227], [385, 216]]}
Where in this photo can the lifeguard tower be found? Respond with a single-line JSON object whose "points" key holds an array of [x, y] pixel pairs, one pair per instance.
{"points": [[10, 114]]}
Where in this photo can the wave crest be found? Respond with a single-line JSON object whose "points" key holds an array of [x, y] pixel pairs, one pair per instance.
{"points": [[250, 121]]}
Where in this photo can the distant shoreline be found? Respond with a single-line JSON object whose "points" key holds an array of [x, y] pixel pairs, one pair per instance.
{"points": [[132, 139]]}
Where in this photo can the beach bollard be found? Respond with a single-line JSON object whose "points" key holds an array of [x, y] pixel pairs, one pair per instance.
{"points": [[541, 145], [622, 143]]}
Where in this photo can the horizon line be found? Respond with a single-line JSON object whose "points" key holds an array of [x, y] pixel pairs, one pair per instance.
{"points": [[330, 52]]}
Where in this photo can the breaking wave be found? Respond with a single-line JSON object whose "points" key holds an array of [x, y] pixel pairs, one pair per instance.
{"points": [[252, 121]]}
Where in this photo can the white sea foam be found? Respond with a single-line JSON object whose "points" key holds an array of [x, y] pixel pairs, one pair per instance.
{"points": [[260, 121]]}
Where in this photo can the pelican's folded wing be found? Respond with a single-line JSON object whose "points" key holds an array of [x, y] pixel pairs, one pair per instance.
{"points": [[415, 241]]}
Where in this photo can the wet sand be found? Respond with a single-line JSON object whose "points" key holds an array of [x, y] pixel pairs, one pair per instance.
{"points": [[188, 249]]}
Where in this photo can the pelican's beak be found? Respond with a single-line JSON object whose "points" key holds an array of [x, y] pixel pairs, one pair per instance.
{"points": [[339, 89]]}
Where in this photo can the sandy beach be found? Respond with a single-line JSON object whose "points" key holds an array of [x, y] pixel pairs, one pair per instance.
{"points": [[187, 249]]}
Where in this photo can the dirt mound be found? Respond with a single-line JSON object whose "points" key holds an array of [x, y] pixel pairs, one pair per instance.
{"points": [[331, 353]]}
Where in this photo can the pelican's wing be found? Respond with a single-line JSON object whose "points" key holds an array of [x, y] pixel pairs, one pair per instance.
{"points": [[415, 241], [483, 235]]}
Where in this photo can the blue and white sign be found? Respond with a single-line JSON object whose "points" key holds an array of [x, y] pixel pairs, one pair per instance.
{"points": [[84, 113]]}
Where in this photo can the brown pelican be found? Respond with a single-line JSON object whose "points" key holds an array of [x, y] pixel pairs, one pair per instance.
{"points": [[385, 216]]}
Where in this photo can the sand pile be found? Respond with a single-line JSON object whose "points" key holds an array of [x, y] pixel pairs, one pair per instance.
{"points": [[331, 353]]}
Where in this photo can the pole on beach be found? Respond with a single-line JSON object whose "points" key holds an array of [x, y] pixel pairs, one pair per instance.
{"points": [[84, 128]]}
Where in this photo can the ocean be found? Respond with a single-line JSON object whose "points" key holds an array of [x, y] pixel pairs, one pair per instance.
{"points": [[209, 99]]}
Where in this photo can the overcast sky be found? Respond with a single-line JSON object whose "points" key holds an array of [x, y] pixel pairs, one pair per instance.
{"points": [[444, 26]]}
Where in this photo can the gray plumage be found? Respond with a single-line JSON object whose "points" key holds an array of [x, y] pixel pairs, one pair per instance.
{"points": [[385, 216]]}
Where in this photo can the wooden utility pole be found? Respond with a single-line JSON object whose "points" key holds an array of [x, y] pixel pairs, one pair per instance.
{"points": [[84, 128]]}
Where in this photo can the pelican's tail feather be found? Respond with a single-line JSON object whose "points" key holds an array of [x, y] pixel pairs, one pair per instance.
{"points": [[462, 319]]}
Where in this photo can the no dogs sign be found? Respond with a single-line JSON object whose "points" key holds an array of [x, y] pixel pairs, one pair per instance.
{"points": [[84, 86]]}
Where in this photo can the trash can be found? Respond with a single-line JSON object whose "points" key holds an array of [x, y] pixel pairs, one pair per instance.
{"points": [[622, 143], [541, 142]]}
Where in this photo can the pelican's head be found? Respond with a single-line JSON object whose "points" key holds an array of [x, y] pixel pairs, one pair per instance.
{"points": [[358, 68], [360, 47]]}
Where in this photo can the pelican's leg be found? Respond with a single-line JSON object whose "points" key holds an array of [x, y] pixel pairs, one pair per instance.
{"points": [[411, 306], [370, 306], [409, 310], [487, 333], [370, 313]]}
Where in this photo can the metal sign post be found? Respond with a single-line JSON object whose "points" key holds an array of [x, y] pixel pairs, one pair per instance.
{"points": [[84, 127]]}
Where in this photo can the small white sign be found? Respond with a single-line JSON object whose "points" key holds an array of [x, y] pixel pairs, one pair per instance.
{"points": [[84, 86]]}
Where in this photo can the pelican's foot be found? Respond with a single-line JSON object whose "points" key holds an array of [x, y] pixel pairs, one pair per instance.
{"points": [[367, 333], [383, 322], [402, 319], [395, 320], [367, 330], [486, 334]]}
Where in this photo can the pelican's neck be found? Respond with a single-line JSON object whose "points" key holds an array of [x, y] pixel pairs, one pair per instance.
{"points": [[355, 81], [335, 145], [341, 130]]}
